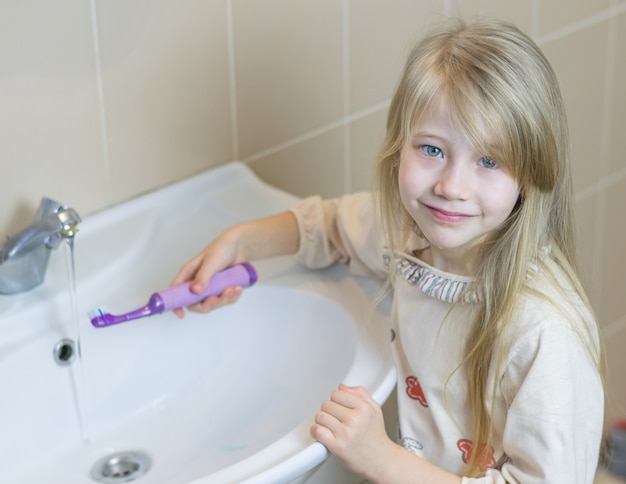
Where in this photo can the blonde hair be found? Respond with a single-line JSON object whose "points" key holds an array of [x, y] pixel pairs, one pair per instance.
{"points": [[498, 86]]}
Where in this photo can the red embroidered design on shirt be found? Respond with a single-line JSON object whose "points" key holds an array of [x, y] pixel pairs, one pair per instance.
{"points": [[414, 390], [485, 459]]}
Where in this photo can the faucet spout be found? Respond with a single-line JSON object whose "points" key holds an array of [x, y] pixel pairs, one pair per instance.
{"points": [[24, 256]]}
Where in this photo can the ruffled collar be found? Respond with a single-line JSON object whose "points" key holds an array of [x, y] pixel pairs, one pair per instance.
{"points": [[442, 285], [433, 282]]}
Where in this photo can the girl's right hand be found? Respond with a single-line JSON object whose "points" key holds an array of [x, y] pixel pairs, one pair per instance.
{"points": [[246, 242], [220, 254]]}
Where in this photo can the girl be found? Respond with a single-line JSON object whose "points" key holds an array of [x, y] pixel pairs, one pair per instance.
{"points": [[496, 349]]}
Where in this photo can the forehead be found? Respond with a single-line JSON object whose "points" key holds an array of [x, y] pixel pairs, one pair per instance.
{"points": [[443, 118]]}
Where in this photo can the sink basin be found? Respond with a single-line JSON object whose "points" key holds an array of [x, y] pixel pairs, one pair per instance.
{"points": [[223, 397]]}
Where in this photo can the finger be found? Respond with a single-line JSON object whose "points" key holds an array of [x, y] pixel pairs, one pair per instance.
{"points": [[358, 390], [205, 271], [322, 434], [347, 397], [334, 410], [327, 421], [229, 296], [329, 431], [187, 271], [355, 404], [342, 403], [206, 305]]}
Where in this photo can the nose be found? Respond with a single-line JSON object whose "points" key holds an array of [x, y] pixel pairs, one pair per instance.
{"points": [[454, 182]]}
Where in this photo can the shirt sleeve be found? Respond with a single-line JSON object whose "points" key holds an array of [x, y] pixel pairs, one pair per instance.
{"points": [[340, 230], [555, 411]]}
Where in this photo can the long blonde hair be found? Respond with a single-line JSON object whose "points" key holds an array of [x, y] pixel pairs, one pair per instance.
{"points": [[493, 75]]}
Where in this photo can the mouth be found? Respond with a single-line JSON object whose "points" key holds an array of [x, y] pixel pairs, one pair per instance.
{"points": [[447, 216]]}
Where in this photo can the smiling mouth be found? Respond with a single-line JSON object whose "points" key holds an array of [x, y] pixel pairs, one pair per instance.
{"points": [[445, 216]]}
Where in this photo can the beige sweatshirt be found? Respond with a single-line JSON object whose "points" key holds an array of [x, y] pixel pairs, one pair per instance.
{"points": [[549, 403]]}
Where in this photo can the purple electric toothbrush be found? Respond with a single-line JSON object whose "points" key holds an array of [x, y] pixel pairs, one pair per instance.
{"points": [[174, 297]]}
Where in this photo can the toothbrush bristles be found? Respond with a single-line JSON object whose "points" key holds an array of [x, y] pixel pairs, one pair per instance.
{"points": [[97, 313]]}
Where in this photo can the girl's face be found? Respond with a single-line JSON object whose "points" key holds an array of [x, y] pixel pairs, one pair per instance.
{"points": [[455, 194]]}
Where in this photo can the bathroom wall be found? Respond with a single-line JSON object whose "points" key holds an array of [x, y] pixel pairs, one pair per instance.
{"points": [[102, 100]]}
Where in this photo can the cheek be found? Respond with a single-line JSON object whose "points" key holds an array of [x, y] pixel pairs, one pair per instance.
{"points": [[502, 200], [409, 180], [403, 181]]}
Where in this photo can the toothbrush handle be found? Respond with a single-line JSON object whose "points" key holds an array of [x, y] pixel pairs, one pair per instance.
{"points": [[180, 296]]}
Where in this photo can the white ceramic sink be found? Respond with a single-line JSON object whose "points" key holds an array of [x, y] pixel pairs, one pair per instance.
{"points": [[224, 397]]}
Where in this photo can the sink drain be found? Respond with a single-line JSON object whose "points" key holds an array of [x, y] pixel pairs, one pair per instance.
{"points": [[120, 467]]}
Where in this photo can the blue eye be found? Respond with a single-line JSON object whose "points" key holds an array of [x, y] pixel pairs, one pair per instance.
{"points": [[487, 163], [433, 151]]}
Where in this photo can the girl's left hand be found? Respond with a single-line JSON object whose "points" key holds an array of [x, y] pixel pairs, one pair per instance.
{"points": [[351, 427]]}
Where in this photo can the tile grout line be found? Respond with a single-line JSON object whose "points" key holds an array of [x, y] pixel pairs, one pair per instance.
{"points": [[347, 130], [318, 131], [602, 184], [582, 24], [599, 235], [535, 18], [614, 328], [103, 118], [294, 141], [230, 43]]}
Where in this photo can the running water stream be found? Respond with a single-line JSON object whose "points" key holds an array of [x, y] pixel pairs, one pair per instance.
{"points": [[76, 369]]}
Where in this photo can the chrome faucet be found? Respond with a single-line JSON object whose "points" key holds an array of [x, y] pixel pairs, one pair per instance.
{"points": [[24, 256]]}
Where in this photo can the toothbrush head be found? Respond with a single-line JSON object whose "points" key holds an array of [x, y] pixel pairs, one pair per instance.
{"points": [[100, 317]]}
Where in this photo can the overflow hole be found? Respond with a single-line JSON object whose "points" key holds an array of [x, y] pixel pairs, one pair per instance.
{"points": [[64, 352]]}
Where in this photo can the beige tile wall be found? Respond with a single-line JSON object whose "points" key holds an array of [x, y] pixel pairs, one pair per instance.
{"points": [[102, 100]]}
